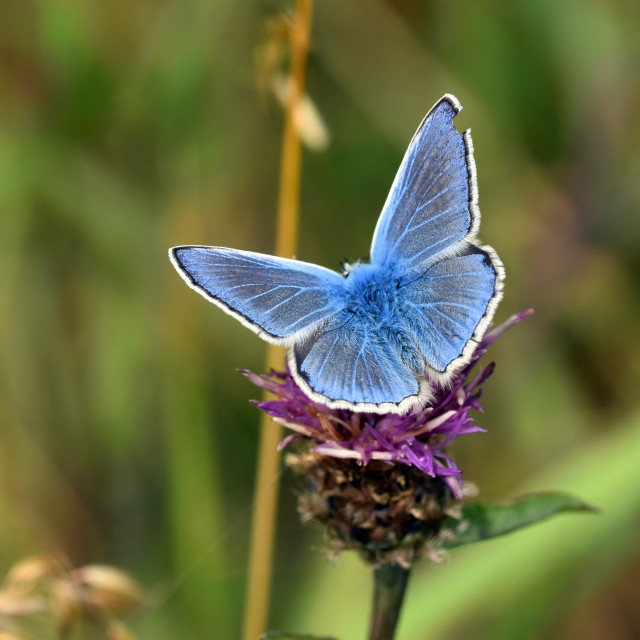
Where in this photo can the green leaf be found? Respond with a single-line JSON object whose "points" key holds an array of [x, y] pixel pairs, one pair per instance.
{"points": [[283, 635], [485, 521]]}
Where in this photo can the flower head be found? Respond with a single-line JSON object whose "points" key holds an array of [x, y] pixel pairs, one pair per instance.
{"points": [[418, 439], [381, 484]]}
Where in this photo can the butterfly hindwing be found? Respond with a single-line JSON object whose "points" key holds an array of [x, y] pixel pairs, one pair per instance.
{"points": [[432, 203], [275, 297], [450, 305], [349, 364]]}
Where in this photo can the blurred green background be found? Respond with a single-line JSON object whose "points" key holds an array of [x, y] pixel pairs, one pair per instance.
{"points": [[126, 435]]}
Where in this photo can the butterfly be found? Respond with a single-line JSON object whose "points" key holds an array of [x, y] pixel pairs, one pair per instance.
{"points": [[380, 335]]}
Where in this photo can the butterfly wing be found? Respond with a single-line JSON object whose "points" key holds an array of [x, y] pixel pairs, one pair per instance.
{"points": [[432, 205], [348, 364], [450, 305], [278, 299]]}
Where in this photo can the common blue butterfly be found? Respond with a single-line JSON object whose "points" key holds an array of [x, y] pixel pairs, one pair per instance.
{"points": [[378, 336]]}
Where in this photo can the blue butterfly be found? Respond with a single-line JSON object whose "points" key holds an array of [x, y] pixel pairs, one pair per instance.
{"points": [[377, 337]]}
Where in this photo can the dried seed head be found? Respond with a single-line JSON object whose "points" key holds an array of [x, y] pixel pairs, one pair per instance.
{"points": [[91, 595], [108, 589], [31, 571]]}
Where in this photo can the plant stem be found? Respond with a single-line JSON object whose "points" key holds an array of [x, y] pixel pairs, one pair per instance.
{"points": [[267, 475], [390, 582]]}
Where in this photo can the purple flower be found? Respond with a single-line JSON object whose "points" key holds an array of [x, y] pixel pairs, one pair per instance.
{"points": [[418, 439]]}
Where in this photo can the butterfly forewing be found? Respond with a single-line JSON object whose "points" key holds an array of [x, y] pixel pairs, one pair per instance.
{"points": [[275, 297], [431, 205]]}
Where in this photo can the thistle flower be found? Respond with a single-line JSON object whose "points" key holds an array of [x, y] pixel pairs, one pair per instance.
{"points": [[382, 483]]}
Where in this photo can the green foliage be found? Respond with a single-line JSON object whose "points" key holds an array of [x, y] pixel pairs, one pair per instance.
{"points": [[485, 521], [125, 433]]}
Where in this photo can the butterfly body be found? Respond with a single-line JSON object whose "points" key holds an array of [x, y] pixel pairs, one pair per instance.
{"points": [[376, 337], [374, 297], [368, 292]]}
